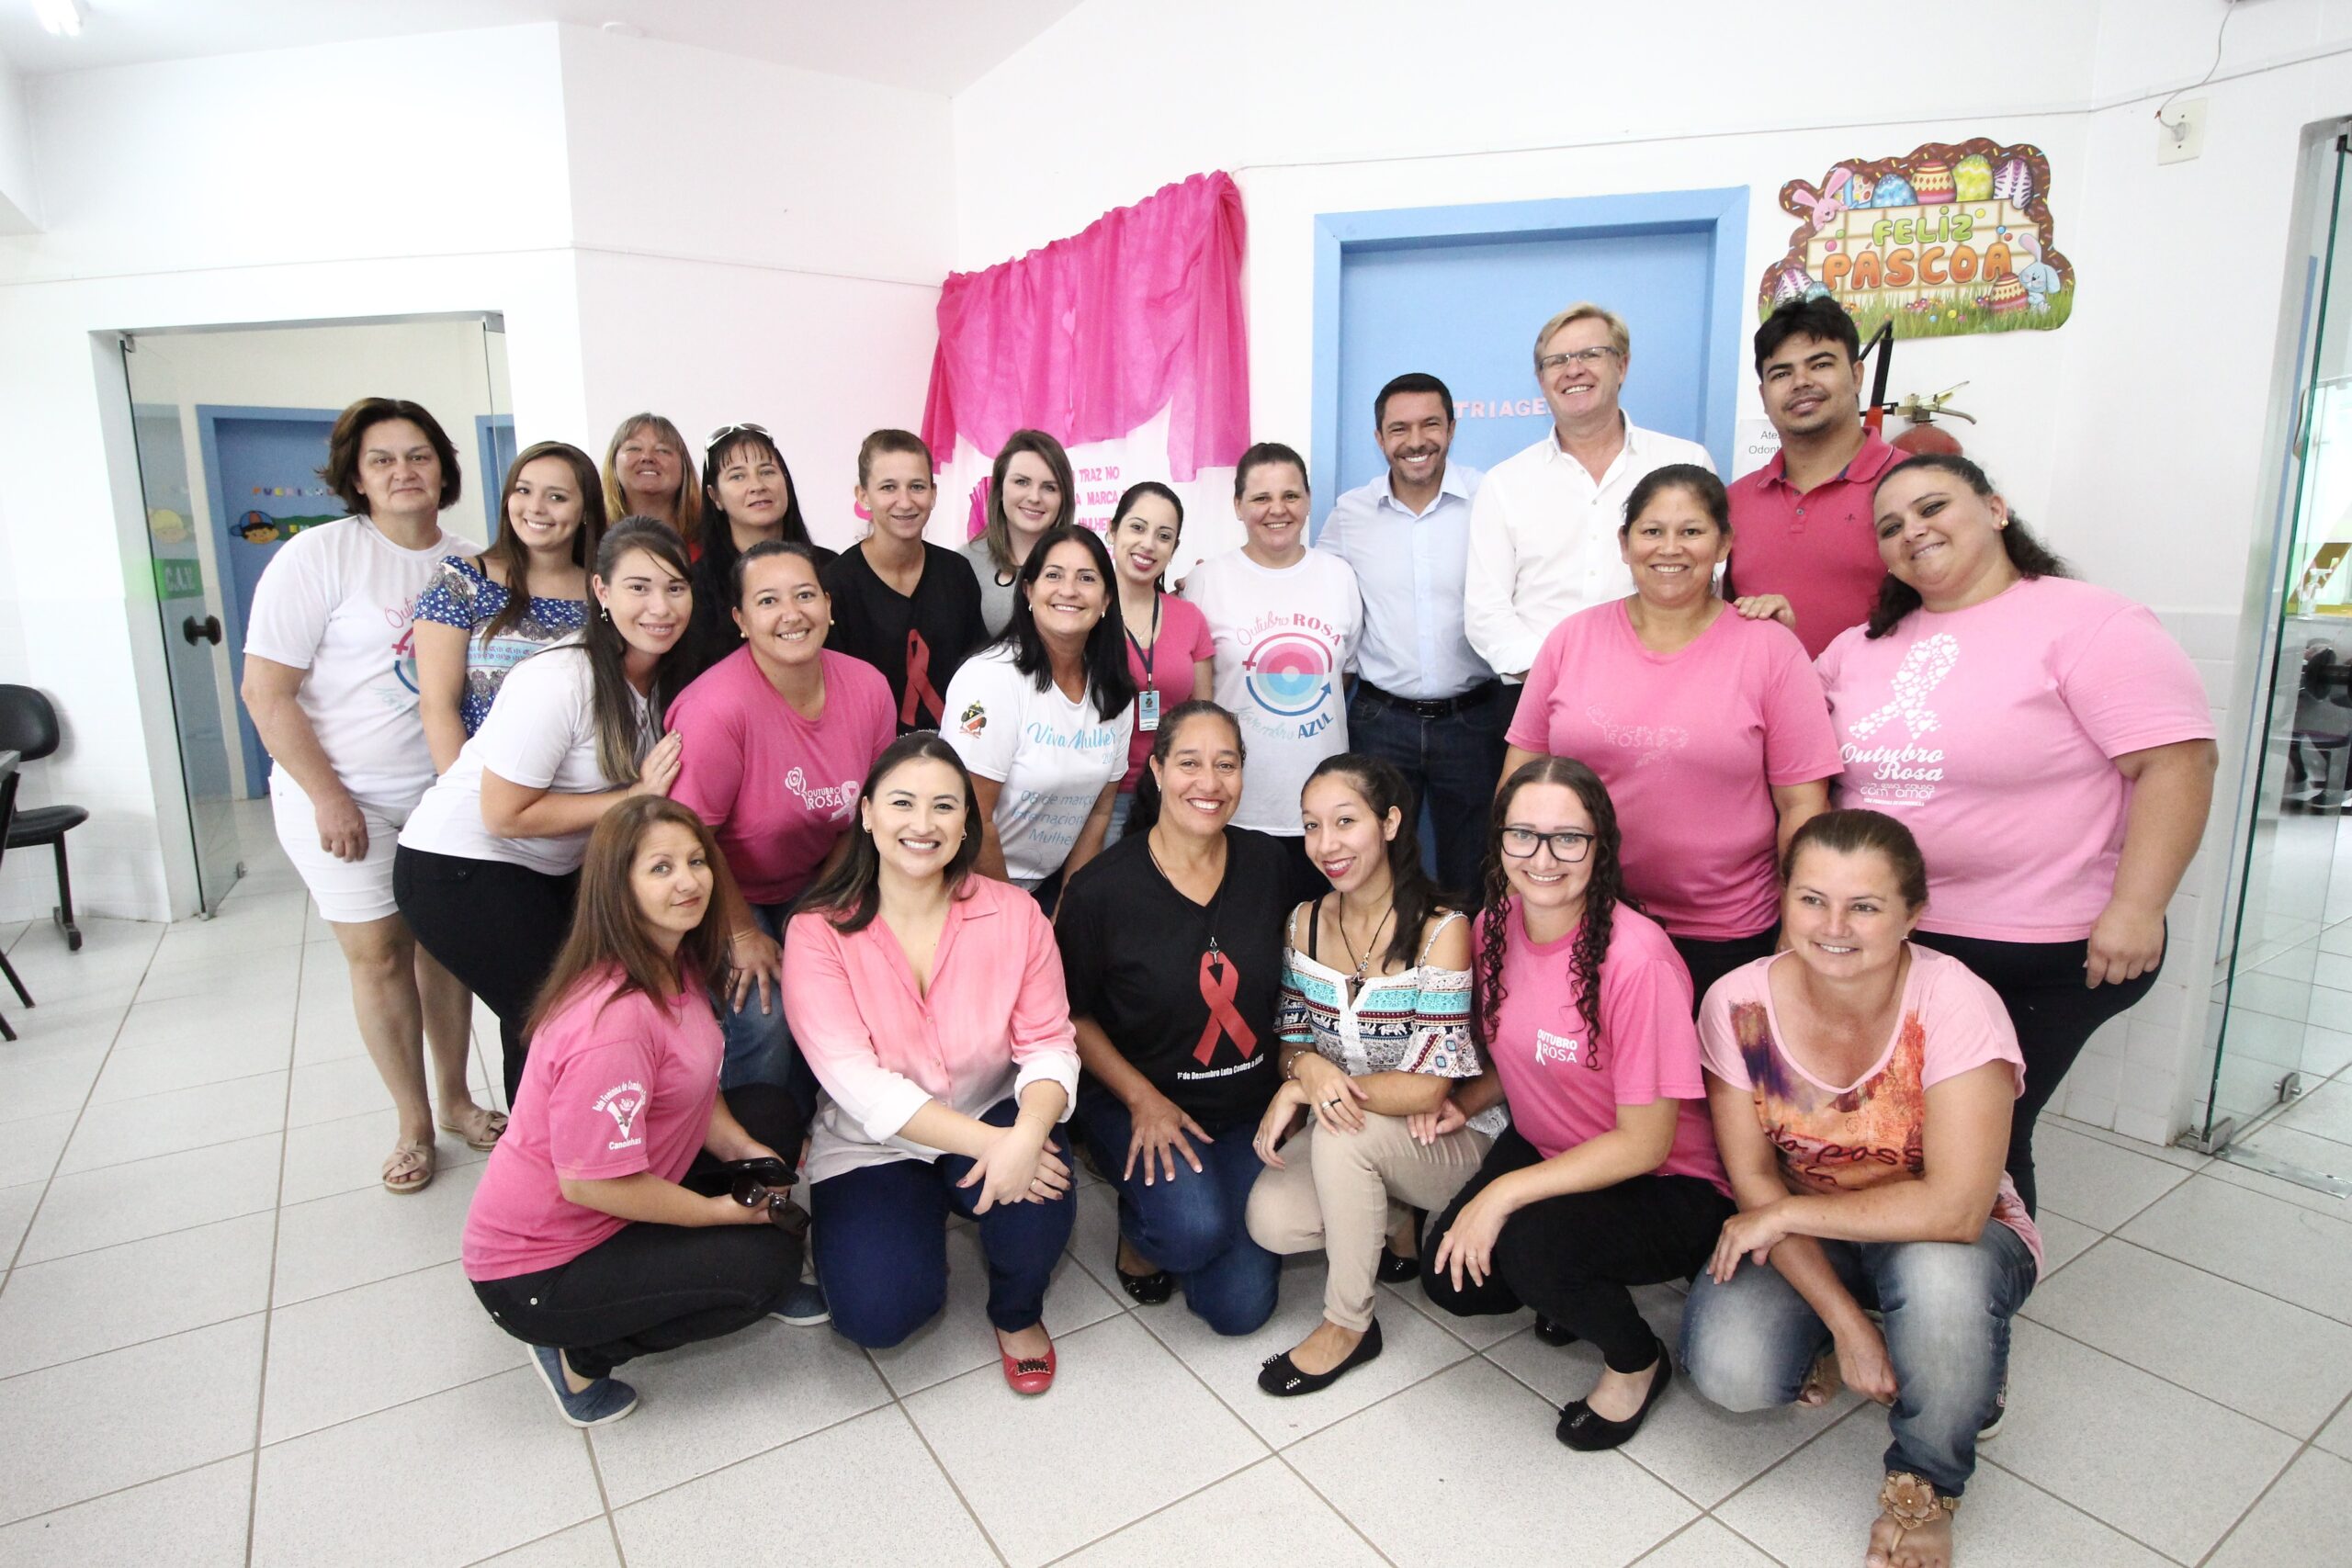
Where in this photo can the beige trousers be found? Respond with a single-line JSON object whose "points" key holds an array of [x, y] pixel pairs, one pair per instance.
{"points": [[1336, 1192]]}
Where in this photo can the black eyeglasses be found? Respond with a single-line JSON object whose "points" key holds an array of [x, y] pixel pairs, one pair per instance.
{"points": [[1568, 846], [724, 431]]}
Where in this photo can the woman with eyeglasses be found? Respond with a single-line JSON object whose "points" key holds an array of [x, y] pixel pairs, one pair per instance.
{"points": [[608, 1226], [647, 475], [748, 497], [1608, 1176], [906, 607], [485, 613], [929, 1002], [777, 739], [1042, 717], [1031, 489], [1707, 727], [1170, 656], [488, 863]]}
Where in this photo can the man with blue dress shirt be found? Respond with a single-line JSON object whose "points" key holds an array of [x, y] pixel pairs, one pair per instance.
{"points": [[1423, 700]]}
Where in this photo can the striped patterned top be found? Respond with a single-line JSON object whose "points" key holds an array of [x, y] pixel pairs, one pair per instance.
{"points": [[1416, 1020]]}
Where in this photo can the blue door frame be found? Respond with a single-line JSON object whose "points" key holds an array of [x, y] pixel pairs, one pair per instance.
{"points": [[1719, 213]]}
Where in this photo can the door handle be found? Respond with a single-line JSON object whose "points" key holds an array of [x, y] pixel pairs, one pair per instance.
{"points": [[205, 630]]}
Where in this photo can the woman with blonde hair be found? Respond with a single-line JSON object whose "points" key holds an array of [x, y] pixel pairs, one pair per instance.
{"points": [[647, 475]]}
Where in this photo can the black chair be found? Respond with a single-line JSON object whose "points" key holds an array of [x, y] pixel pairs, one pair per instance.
{"points": [[9, 782], [28, 727]]}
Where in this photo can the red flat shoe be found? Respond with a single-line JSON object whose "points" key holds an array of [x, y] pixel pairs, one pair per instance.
{"points": [[1028, 1375]]}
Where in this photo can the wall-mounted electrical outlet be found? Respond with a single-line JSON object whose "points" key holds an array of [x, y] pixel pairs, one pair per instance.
{"points": [[2180, 131]]}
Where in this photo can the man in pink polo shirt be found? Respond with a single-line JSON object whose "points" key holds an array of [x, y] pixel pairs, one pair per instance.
{"points": [[1801, 524]]}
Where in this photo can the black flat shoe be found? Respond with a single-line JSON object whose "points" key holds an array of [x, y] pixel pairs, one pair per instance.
{"points": [[1553, 1333], [1395, 1271], [1147, 1290], [1587, 1433], [1281, 1377]]}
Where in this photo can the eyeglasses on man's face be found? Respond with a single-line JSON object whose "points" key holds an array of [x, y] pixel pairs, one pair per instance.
{"points": [[1569, 846], [1592, 356]]}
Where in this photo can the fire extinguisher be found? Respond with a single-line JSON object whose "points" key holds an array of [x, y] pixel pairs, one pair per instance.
{"points": [[1923, 434]]}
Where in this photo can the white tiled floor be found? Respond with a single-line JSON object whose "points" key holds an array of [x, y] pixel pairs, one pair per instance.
{"points": [[221, 1343]]}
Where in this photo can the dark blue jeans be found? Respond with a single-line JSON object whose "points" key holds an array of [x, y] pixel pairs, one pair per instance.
{"points": [[880, 1237], [1453, 763], [759, 1049], [1197, 1227]]}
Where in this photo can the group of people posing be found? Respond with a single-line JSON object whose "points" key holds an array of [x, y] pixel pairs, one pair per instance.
{"points": [[1790, 840]]}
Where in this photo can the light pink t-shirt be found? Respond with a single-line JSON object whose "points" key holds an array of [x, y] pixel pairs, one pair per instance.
{"points": [[776, 788], [1690, 744], [1991, 733], [1184, 641], [613, 1086], [1561, 1091], [1844, 1139]]}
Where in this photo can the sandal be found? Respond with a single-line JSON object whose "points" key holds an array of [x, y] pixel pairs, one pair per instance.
{"points": [[477, 1125], [1913, 1503], [1822, 1383], [408, 1169]]}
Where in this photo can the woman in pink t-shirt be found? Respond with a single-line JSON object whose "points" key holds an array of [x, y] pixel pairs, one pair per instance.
{"points": [[1607, 1176], [1703, 718], [777, 739], [1170, 655], [2048, 744], [1861, 1088], [606, 1226]]}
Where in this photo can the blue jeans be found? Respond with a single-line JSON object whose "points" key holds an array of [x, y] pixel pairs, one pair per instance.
{"points": [[759, 1045], [1121, 804], [1748, 1345], [1197, 1227], [880, 1237], [1452, 762]]}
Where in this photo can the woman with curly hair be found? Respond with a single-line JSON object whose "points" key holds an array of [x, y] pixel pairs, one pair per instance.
{"points": [[1607, 1177]]}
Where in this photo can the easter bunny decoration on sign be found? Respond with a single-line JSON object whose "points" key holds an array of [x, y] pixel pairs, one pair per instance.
{"points": [[1826, 205]]}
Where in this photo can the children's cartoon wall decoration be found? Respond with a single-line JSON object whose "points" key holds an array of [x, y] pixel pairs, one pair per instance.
{"points": [[1948, 239]]}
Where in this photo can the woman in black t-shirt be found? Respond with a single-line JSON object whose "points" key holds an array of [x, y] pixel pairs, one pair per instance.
{"points": [[908, 608], [1171, 948]]}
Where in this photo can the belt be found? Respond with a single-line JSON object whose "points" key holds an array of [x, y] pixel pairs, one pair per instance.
{"points": [[1431, 708]]}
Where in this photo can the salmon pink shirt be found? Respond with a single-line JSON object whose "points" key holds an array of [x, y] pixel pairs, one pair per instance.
{"points": [[1991, 733], [1690, 744], [994, 1020]]}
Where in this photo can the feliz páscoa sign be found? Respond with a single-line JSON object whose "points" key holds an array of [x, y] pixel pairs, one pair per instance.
{"points": [[1951, 238]]}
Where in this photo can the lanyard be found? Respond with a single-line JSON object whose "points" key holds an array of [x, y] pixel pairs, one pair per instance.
{"points": [[1146, 655]]}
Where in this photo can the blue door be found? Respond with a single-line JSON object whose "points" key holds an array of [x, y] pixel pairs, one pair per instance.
{"points": [[262, 465], [494, 439], [1461, 291]]}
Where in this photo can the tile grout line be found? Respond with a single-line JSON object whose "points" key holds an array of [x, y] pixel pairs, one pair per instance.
{"points": [[2196, 1267], [987, 1537], [269, 1294], [603, 1497], [2070, 1504], [2271, 1486]]}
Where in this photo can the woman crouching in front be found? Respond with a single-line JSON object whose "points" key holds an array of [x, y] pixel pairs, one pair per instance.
{"points": [[602, 1229], [1862, 1087]]}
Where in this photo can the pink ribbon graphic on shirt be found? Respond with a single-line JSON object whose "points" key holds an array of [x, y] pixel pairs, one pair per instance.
{"points": [[918, 680], [1219, 983], [1923, 670]]}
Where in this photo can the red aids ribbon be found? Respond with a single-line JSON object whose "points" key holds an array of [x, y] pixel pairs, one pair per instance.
{"points": [[919, 684], [1219, 981]]}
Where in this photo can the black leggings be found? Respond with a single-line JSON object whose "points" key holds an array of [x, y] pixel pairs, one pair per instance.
{"points": [[495, 926], [2053, 1012], [646, 1287], [1710, 961], [1573, 1258]]}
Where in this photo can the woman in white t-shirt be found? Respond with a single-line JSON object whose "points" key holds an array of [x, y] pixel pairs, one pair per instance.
{"points": [[1043, 716], [330, 681], [489, 862], [1285, 621]]}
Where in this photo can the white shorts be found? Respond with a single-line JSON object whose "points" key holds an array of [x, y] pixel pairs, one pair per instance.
{"points": [[348, 892]]}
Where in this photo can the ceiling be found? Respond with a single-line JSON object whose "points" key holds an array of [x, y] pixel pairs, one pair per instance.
{"points": [[936, 46]]}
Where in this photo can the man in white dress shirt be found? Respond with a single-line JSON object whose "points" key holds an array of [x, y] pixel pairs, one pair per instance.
{"points": [[1423, 698], [1543, 525]]}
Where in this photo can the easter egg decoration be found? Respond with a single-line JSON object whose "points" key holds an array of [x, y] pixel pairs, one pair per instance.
{"points": [[1972, 178], [2007, 296], [1794, 284], [2013, 181], [1893, 190], [1932, 181]]}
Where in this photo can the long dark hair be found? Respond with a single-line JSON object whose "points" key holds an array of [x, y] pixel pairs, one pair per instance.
{"points": [[608, 927], [1602, 894], [1897, 598], [718, 534], [623, 737], [1144, 813], [508, 549], [1107, 679], [851, 894], [1127, 499], [1413, 896]]}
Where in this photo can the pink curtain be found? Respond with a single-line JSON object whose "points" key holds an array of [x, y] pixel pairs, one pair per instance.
{"points": [[1093, 335]]}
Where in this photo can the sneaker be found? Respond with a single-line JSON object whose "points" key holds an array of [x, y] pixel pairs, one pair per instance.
{"points": [[1991, 1428], [601, 1404], [802, 1305]]}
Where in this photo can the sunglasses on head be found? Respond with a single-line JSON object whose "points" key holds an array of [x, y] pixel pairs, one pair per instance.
{"points": [[724, 431]]}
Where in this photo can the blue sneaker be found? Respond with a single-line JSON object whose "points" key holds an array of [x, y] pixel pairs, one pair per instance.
{"points": [[601, 1404], [802, 1305]]}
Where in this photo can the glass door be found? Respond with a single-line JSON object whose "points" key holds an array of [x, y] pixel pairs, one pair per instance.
{"points": [[2281, 1092]]}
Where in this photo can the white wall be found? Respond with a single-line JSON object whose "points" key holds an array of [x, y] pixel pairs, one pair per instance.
{"points": [[19, 201]]}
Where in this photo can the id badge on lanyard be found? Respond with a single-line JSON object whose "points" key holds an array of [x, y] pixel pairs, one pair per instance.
{"points": [[1146, 711]]}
